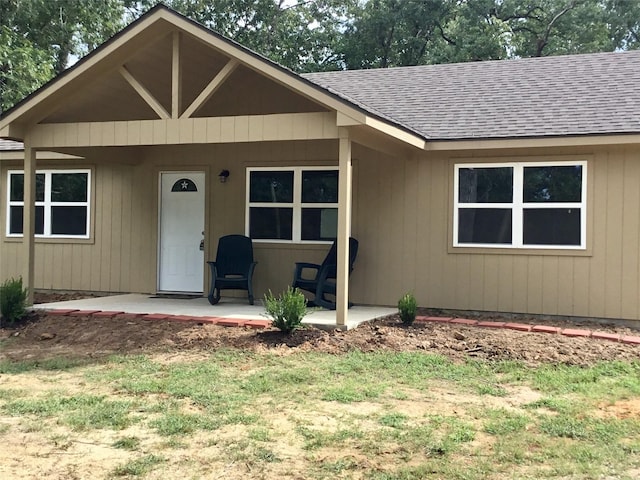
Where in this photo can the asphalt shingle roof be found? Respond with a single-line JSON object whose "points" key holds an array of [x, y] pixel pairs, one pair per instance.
{"points": [[534, 97], [6, 145]]}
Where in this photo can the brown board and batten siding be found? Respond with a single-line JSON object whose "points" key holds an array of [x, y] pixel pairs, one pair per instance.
{"points": [[114, 258], [409, 204], [121, 255], [225, 211], [402, 216]]}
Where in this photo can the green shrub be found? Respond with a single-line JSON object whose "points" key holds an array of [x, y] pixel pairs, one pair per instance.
{"points": [[407, 307], [287, 310], [13, 300]]}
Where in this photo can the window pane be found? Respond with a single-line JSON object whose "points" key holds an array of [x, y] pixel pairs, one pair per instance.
{"points": [[551, 226], [484, 225], [15, 220], [68, 220], [17, 187], [275, 187], [553, 184], [319, 223], [271, 223], [320, 186], [69, 187], [485, 185]]}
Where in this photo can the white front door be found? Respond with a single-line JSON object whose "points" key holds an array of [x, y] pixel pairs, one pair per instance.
{"points": [[181, 258]]}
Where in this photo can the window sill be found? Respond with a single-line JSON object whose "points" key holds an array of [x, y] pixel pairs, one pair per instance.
{"points": [[54, 240], [547, 252], [267, 245]]}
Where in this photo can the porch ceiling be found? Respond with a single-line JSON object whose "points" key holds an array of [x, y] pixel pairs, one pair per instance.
{"points": [[246, 92], [108, 98], [152, 67]]}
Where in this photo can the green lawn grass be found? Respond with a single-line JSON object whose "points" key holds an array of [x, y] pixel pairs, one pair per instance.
{"points": [[307, 415]]}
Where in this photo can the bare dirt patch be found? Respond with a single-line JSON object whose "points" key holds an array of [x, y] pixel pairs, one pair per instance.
{"points": [[45, 448], [56, 456], [621, 409], [42, 337]]}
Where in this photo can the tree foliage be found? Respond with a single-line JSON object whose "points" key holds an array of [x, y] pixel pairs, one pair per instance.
{"points": [[624, 18], [23, 67], [394, 32], [385, 33], [300, 35], [39, 38]]}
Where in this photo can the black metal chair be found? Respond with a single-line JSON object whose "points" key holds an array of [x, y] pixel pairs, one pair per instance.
{"points": [[323, 281], [233, 268]]}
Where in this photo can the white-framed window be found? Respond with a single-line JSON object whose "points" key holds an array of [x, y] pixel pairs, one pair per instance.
{"points": [[292, 204], [539, 205], [62, 203]]}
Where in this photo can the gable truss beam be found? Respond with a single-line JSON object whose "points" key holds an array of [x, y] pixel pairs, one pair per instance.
{"points": [[211, 88], [144, 93], [176, 77]]}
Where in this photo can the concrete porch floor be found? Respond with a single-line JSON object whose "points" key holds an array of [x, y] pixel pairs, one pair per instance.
{"points": [[234, 308]]}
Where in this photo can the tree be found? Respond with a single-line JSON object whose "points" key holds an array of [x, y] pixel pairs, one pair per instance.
{"points": [[624, 18], [387, 33], [63, 28], [410, 32], [473, 33], [300, 35], [40, 37], [23, 68], [552, 27]]}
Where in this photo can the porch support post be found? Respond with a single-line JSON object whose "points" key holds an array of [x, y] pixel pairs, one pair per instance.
{"points": [[344, 226], [29, 219]]}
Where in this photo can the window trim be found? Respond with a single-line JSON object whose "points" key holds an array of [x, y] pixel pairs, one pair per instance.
{"points": [[297, 205], [47, 203], [517, 206]]}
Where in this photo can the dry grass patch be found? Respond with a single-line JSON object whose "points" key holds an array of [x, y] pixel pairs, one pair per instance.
{"points": [[380, 416]]}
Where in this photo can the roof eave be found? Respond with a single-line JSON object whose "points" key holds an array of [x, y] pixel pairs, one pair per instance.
{"points": [[589, 139], [396, 132]]}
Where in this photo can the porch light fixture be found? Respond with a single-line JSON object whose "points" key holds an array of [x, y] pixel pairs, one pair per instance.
{"points": [[223, 175]]}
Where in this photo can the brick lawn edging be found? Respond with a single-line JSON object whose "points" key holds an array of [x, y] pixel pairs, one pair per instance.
{"points": [[260, 324], [523, 327], [225, 322]]}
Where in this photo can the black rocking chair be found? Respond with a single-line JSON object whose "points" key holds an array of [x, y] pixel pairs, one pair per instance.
{"points": [[233, 268], [324, 280]]}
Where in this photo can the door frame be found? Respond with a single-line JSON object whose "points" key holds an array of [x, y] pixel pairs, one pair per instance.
{"points": [[186, 171]]}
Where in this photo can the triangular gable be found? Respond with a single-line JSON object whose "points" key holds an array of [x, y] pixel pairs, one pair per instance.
{"points": [[97, 85], [243, 92]]}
